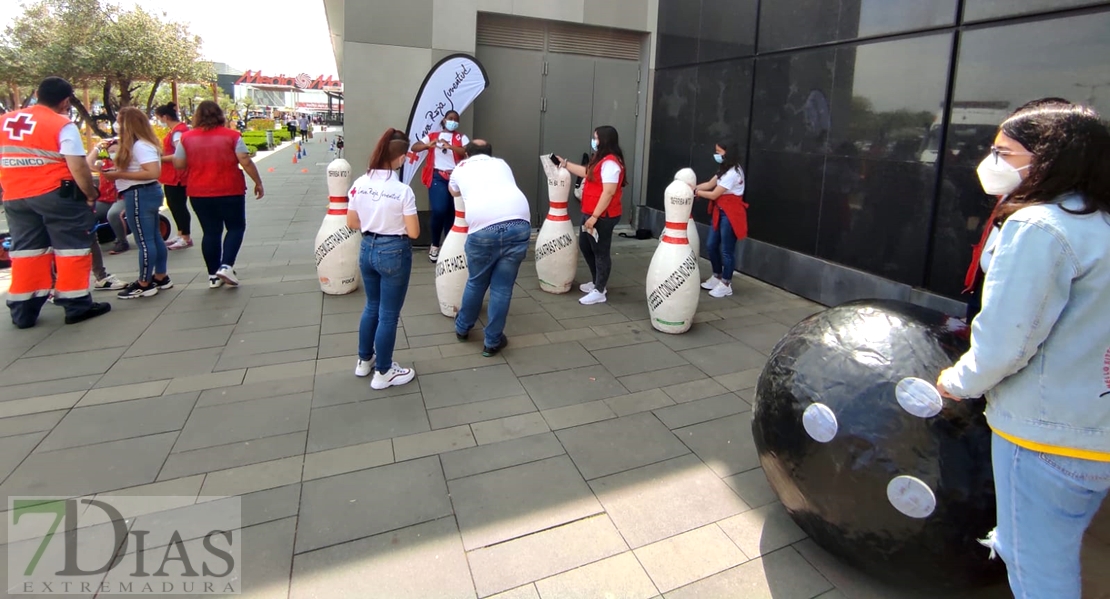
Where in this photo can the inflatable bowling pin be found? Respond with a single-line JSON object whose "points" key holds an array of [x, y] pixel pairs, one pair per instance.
{"points": [[451, 270], [673, 281], [689, 177], [337, 245], [556, 249]]}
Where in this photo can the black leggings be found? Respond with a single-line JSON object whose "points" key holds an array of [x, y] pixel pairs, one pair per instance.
{"points": [[178, 203], [596, 253]]}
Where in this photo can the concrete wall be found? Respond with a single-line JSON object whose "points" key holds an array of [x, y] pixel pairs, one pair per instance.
{"points": [[387, 48]]}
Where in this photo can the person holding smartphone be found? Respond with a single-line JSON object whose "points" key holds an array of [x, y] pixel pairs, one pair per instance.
{"points": [[603, 182]]}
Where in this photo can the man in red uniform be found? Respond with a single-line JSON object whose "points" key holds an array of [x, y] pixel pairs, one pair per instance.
{"points": [[48, 198]]}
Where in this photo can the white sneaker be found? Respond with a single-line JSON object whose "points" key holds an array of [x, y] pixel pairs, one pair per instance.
{"points": [[109, 283], [364, 367], [433, 254], [711, 283], [392, 377], [227, 275], [214, 282], [587, 287], [593, 297], [722, 290]]}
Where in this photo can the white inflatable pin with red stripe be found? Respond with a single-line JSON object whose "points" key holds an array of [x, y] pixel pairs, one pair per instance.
{"points": [[337, 245], [673, 281], [556, 250]]}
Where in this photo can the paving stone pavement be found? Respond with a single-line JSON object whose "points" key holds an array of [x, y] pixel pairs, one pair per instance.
{"points": [[592, 458]]}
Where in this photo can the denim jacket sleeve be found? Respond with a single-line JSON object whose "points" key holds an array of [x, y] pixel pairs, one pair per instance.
{"points": [[1026, 289]]}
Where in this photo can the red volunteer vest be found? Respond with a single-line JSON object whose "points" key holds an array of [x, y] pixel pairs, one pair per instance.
{"points": [[31, 163], [213, 165], [592, 189], [430, 159], [170, 175]]}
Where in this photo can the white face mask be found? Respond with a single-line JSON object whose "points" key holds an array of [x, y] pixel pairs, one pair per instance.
{"points": [[999, 177]]}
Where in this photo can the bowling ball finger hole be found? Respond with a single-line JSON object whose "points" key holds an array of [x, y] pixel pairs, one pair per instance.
{"points": [[820, 422], [918, 397], [911, 496]]}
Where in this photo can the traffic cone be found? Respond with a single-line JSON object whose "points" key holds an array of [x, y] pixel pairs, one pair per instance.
{"points": [[294, 159]]}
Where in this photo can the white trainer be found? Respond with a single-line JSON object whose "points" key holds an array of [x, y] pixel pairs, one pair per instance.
{"points": [[722, 290], [364, 367], [393, 377], [215, 282], [587, 287], [711, 283], [227, 275], [593, 297]]}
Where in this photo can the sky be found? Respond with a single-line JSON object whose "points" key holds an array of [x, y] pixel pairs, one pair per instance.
{"points": [[296, 37]]}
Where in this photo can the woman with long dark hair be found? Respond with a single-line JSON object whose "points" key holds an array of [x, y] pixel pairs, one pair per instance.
{"points": [[138, 165], [217, 189], [602, 188], [384, 210], [445, 149], [1041, 343], [729, 212], [173, 180]]}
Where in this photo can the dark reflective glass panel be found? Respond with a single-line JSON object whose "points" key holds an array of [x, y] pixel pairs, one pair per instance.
{"points": [[672, 127], [999, 69], [979, 10], [799, 23], [727, 29], [792, 103], [721, 112], [784, 198], [678, 32]]}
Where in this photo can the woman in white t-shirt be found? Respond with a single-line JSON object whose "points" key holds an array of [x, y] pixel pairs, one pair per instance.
{"points": [[445, 149], [725, 192], [384, 210], [138, 166]]}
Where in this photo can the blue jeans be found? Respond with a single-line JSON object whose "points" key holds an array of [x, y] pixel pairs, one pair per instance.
{"points": [[143, 204], [1045, 503], [386, 263], [443, 209], [721, 246], [493, 257], [215, 214]]}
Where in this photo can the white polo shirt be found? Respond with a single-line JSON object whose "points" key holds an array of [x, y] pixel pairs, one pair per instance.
{"points": [[382, 203], [732, 181], [489, 189]]}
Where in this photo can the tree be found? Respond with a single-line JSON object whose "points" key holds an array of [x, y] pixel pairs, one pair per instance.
{"points": [[99, 45]]}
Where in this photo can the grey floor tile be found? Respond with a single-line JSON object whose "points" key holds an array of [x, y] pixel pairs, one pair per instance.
{"points": [[724, 358], [480, 411], [661, 378], [643, 401], [9, 393], [261, 374], [527, 324], [701, 410], [417, 562], [735, 381], [264, 342], [634, 359], [368, 502], [497, 506], [547, 358], [97, 546], [689, 557], [476, 460], [752, 487], [527, 591], [123, 393], [343, 387], [243, 453], [761, 337], [289, 356], [347, 459], [37, 405], [90, 469], [30, 423], [693, 390], [513, 427], [225, 395], [543, 554], [43, 368], [255, 477], [469, 386], [762, 530], [427, 324], [153, 368], [570, 387], [725, 444], [620, 577], [363, 422], [780, 575], [437, 364], [245, 421], [612, 446], [576, 415], [14, 449], [154, 341], [682, 495], [123, 420], [699, 335], [432, 443]]}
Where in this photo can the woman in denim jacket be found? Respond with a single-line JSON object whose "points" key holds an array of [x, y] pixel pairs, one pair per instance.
{"points": [[1040, 347]]}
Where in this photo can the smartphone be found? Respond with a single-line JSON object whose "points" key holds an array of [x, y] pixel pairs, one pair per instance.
{"points": [[554, 160]]}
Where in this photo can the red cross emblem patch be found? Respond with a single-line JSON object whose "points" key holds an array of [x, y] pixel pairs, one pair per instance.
{"points": [[19, 125]]}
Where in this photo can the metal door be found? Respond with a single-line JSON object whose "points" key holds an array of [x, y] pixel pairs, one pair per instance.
{"points": [[568, 115], [615, 101], [507, 115]]}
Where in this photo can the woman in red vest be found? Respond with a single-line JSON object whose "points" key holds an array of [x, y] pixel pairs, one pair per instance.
{"points": [[602, 188], [445, 149], [173, 180], [725, 192], [213, 153]]}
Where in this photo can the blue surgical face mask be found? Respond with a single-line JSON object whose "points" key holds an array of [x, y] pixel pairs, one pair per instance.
{"points": [[719, 158], [593, 144], [451, 125]]}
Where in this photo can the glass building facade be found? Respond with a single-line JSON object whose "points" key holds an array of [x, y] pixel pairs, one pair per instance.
{"points": [[862, 121]]}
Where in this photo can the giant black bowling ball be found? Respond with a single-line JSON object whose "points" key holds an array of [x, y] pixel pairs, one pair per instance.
{"points": [[865, 455]]}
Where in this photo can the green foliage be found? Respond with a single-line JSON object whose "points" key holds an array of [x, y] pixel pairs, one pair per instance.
{"points": [[260, 124]]}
